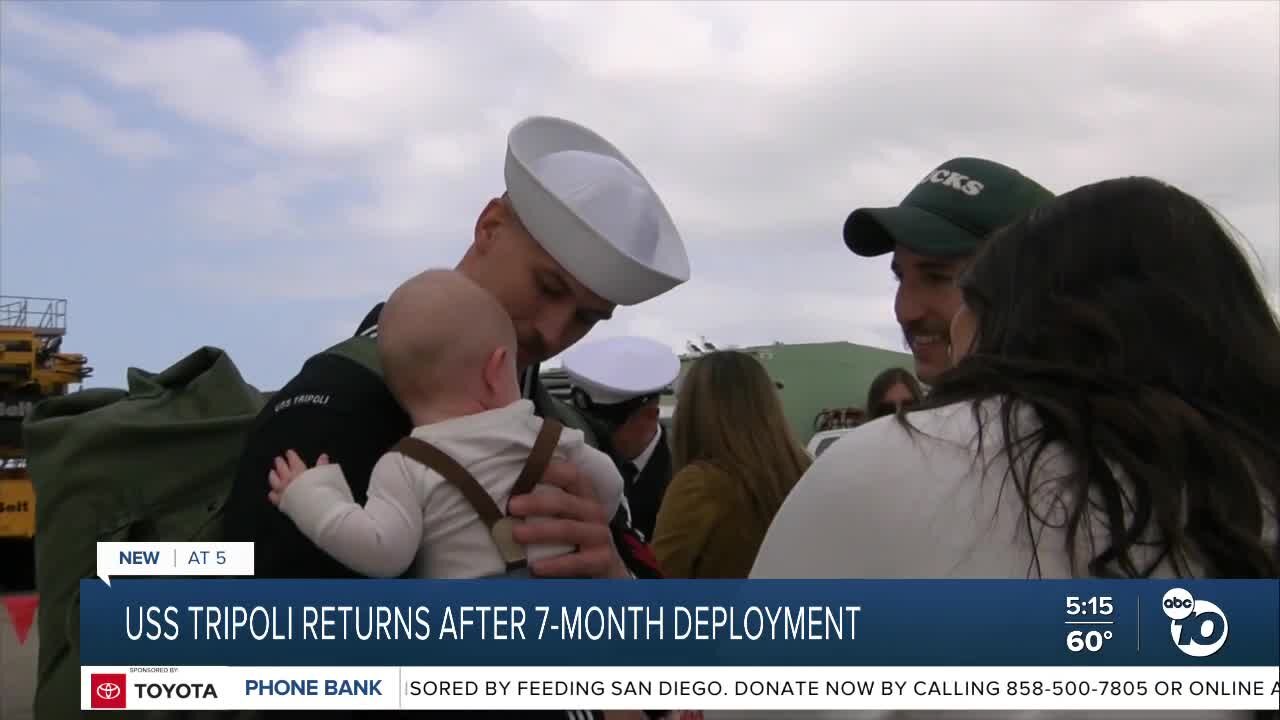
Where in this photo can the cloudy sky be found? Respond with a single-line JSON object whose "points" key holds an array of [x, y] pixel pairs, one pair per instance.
{"points": [[255, 176]]}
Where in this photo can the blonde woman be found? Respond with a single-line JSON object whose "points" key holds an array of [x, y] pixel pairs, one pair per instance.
{"points": [[735, 460]]}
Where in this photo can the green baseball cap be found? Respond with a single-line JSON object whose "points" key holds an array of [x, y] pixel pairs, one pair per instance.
{"points": [[949, 212]]}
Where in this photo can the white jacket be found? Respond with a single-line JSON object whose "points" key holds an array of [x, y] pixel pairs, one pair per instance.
{"points": [[885, 503]]}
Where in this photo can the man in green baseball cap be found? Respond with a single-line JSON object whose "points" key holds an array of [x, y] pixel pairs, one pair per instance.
{"points": [[932, 233]]}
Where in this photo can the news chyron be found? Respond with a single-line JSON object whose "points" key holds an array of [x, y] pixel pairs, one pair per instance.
{"points": [[187, 627]]}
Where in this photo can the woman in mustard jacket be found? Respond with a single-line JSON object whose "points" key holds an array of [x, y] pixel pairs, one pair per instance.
{"points": [[735, 460]]}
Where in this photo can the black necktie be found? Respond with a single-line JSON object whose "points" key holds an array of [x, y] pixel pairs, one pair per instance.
{"points": [[629, 473]]}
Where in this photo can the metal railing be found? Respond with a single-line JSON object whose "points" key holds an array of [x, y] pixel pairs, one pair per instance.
{"points": [[44, 315]]}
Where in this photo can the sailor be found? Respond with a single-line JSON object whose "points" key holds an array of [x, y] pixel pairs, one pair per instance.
{"points": [[577, 232], [617, 383]]}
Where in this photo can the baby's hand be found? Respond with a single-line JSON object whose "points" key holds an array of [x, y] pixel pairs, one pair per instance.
{"points": [[287, 469]]}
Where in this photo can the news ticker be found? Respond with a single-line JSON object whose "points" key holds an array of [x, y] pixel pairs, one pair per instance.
{"points": [[768, 623], [220, 640], [704, 688]]}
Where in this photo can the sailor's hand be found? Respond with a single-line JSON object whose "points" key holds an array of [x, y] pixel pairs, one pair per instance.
{"points": [[286, 470], [574, 517]]}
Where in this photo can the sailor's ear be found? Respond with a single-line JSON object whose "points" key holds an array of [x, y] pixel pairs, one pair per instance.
{"points": [[487, 225]]}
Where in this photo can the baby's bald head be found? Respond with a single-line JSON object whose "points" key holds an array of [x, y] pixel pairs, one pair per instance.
{"points": [[438, 334]]}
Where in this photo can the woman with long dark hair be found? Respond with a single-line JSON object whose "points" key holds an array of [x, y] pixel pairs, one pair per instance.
{"points": [[1113, 411], [891, 391], [735, 460]]}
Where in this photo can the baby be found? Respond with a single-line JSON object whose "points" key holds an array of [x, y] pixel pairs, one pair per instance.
{"points": [[448, 355]]}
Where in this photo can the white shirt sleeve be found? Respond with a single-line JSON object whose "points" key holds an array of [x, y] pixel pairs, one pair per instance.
{"points": [[883, 504], [853, 514], [601, 469], [380, 539]]}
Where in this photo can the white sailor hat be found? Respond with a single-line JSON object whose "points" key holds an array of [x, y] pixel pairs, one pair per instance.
{"points": [[621, 369], [590, 208]]}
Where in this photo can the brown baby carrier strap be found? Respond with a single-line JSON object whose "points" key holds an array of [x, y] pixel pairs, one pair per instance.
{"points": [[495, 519]]}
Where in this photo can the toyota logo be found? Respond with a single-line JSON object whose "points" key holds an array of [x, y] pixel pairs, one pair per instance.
{"points": [[107, 691]]}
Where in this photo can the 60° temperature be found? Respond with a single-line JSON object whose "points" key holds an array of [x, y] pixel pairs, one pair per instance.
{"points": [[1090, 640]]}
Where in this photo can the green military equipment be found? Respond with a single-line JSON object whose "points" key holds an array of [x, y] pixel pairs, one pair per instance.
{"points": [[155, 462]]}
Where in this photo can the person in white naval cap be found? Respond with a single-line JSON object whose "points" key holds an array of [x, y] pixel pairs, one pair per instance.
{"points": [[617, 383], [578, 232]]}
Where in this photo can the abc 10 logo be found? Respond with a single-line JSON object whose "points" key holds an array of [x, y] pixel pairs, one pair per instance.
{"points": [[1199, 627]]}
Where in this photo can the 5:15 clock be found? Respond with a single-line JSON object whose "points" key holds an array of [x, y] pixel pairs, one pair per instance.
{"points": [[1089, 606]]}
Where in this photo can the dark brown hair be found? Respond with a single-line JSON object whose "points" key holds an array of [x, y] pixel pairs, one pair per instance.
{"points": [[1126, 318], [876, 406]]}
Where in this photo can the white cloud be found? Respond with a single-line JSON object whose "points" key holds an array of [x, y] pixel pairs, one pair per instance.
{"points": [[13, 80], [137, 8], [761, 124], [18, 169], [72, 109], [261, 205], [380, 12], [77, 112]]}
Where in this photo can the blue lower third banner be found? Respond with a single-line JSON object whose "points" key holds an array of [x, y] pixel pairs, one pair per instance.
{"points": [[709, 645]]}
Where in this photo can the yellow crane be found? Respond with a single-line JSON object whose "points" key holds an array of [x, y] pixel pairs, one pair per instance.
{"points": [[32, 367]]}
